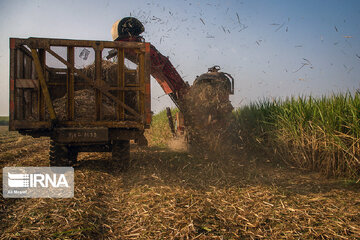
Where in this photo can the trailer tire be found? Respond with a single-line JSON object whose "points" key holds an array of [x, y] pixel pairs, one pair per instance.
{"points": [[121, 154], [72, 154], [59, 155]]}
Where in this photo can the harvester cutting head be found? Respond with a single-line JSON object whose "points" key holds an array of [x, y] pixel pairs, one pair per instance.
{"points": [[126, 28], [216, 78]]}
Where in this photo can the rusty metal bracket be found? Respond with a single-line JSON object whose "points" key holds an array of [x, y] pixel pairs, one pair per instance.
{"points": [[43, 85], [101, 86]]}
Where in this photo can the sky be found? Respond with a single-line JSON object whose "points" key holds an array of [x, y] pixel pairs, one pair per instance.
{"points": [[273, 49]]}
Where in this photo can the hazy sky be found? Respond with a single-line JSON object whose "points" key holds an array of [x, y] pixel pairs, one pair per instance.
{"points": [[271, 48]]}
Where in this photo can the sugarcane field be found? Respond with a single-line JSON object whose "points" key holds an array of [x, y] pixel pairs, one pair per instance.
{"points": [[180, 119]]}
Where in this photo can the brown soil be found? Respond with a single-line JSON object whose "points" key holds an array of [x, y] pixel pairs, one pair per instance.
{"points": [[176, 195]]}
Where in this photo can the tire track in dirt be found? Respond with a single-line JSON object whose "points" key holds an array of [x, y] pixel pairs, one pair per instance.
{"points": [[19, 143], [23, 153]]}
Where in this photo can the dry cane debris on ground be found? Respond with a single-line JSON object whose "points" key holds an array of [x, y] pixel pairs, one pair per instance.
{"points": [[176, 195]]}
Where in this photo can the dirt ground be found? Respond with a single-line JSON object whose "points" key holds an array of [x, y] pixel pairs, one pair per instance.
{"points": [[175, 195]]}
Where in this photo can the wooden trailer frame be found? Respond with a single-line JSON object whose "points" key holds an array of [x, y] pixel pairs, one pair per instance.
{"points": [[28, 70]]}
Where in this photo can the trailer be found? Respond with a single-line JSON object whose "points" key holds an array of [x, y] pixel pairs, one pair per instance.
{"points": [[44, 70]]}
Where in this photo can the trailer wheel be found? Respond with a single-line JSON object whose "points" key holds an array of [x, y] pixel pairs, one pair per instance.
{"points": [[72, 154], [59, 155], [121, 154]]}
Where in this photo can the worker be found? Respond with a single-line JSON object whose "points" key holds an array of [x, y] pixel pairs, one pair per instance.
{"points": [[126, 28]]}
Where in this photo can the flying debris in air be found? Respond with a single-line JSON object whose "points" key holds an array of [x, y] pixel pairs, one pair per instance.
{"points": [[306, 63], [202, 21], [357, 55], [348, 70], [238, 18], [336, 29], [258, 42], [279, 27], [242, 26], [309, 63]]}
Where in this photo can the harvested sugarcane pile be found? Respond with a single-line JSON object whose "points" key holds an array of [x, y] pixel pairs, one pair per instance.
{"points": [[84, 99], [109, 71]]}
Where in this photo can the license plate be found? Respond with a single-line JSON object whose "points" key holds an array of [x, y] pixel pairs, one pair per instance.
{"points": [[70, 135]]}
